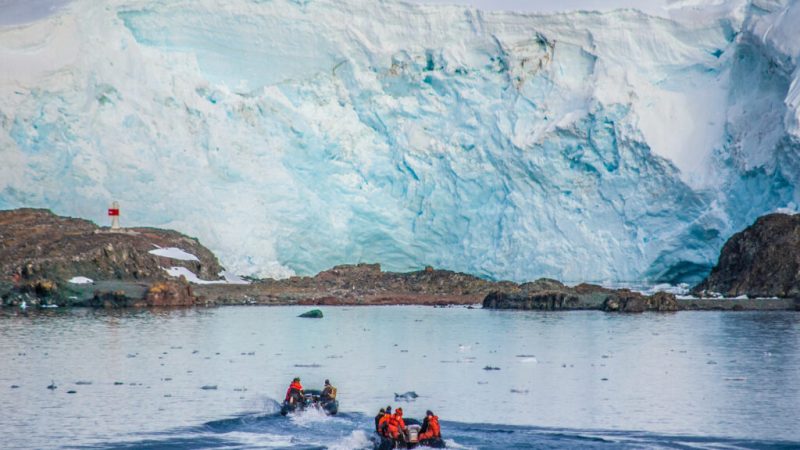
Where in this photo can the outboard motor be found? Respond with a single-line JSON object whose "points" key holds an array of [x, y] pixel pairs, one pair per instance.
{"points": [[412, 434]]}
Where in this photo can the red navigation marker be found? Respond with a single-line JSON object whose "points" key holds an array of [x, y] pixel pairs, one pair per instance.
{"points": [[113, 212]]}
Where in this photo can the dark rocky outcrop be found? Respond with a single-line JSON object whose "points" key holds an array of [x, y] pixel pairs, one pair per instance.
{"points": [[40, 252], [551, 295], [37, 244], [761, 261]]}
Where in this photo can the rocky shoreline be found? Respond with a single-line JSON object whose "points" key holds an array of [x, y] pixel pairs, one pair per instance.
{"points": [[40, 252]]}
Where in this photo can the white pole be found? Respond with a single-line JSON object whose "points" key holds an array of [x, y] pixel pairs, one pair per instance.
{"points": [[115, 217]]}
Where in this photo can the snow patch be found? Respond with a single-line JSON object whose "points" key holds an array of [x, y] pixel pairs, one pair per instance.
{"points": [[177, 272], [790, 209], [174, 253], [80, 280]]}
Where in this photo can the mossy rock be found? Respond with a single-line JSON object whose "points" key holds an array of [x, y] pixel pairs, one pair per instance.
{"points": [[313, 314]]}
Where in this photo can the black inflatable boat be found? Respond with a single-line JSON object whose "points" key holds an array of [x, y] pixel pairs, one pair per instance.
{"points": [[311, 400], [411, 438]]}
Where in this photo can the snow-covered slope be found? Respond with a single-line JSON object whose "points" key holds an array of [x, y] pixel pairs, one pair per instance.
{"points": [[292, 135]]}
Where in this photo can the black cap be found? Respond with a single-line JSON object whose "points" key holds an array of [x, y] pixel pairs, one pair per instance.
{"points": [[327, 382], [388, 409], [429, 413]]}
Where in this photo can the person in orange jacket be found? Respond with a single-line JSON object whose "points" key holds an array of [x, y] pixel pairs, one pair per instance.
{"points": [[396, 425], [383, 422], [295, 392], [430, 427]]}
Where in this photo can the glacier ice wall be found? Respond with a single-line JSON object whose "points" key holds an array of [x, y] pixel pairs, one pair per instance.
{"points": [[292, 135]]}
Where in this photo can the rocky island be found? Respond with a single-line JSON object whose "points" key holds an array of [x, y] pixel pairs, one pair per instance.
{"points": [[46, 260]]}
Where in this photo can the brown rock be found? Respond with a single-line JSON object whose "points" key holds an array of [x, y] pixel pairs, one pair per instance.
{"points": [[37, 244], [170, 293]]}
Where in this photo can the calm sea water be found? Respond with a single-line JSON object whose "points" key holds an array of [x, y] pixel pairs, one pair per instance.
{"points": [[565, 379]]}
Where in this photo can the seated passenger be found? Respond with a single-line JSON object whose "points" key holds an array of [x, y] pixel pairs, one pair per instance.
{"points": [[378, 418], [396, 425], [328, 393], [383, 423], [295, 392], [430, 427]]}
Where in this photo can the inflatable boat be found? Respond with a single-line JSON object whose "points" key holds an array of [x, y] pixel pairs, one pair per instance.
{"points": [[411, 438], [311, 400]]}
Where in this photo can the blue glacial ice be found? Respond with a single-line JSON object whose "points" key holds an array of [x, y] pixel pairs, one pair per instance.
{"points": [[290, 136]]}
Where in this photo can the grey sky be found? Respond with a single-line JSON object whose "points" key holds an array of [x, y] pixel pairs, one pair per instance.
{"points": [[22, 11], [655, 7]]}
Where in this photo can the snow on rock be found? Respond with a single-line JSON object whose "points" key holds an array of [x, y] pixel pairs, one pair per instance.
{"points": [[174, 253], [177, 271], [584, 146], [80, 280]]}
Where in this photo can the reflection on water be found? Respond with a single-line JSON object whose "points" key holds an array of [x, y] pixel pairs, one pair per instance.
{"points": [[733, 375]]}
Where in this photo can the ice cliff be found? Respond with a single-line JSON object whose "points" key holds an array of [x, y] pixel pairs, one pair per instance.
{"points": [[292, 135]]}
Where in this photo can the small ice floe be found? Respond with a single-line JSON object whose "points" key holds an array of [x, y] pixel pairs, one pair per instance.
{"points": [[83, 383], [48, 306], [23, 305], [711, 362], [209, 387], [464, 348], [519, 391], [741, 297], [80, 280], [406, 396], [531, 359], [174, 253]]}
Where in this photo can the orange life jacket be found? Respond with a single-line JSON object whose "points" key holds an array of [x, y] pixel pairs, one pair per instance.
{"points": [[384, 421], [396, 423], [433, 430], [294, 386]]}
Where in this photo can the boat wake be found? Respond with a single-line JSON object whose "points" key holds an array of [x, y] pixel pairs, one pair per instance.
{"points": [[313, 429]]}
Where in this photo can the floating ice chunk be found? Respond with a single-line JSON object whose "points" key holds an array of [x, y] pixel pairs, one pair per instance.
{"points": [[174, 253], [80, 280]]}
